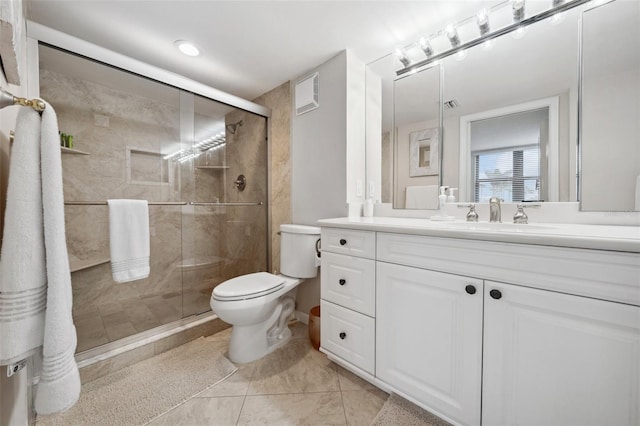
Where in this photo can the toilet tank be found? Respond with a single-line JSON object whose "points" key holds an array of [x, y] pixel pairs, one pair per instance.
{"points": [[298, 250]]}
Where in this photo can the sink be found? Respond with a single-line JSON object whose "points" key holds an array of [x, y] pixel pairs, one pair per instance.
{"points": [[496, 226]]}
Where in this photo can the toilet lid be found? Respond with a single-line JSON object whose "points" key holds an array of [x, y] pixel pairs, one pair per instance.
{"points": [[248, 286]]}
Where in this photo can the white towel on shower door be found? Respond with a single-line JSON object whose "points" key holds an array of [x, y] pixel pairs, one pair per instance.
{"points": [[129, 239], [35, 282]]}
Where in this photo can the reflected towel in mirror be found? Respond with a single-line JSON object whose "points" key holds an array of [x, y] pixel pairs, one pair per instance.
{"points": [[422, 197]]}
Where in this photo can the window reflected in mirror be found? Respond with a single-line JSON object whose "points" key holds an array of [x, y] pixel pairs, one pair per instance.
{"points": [[505, 156]]}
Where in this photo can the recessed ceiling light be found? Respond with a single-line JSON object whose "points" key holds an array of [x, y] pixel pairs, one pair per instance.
{"points": [[187, 48]]}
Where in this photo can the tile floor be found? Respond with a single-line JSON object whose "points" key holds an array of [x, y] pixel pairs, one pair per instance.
{"points": [[295, 385]]}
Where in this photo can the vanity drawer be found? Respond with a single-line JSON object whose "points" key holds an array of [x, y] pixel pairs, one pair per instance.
{"points": [[348, 335], [349, 281], [350, 242]]}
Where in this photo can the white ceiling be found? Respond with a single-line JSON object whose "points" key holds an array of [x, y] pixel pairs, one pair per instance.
{"points": [[249, 47]]}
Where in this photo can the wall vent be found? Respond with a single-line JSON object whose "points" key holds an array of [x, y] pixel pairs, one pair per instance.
{"points": [[307, 94]]}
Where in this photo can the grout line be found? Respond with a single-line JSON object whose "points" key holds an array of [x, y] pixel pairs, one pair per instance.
{"points": [[344, 409]]}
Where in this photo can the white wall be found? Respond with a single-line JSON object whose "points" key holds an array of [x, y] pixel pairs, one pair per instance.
{"points": [[373, 149], [610, 146], [328, 143], [328, 152]]}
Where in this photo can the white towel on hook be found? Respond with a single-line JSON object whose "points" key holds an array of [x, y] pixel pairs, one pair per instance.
{"points": [[59, 386], [23, 278], [35, 282], [129, 239]]}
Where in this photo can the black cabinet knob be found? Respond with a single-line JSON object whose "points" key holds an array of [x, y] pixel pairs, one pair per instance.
{"points": [[342, 281], [343, 335], [343, 241], [470, 289], [496, 294]]}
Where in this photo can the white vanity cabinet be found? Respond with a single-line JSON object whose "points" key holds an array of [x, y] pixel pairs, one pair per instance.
{"points": [[348, 283], [495, 333], [558, 359], [429, 338]]}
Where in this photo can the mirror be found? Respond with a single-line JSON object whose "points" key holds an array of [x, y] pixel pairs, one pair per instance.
{"points": [[525, 86], [417, 134], [610, 113]]}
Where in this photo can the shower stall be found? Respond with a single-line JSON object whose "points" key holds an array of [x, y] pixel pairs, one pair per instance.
{"points": [[201, 164]]}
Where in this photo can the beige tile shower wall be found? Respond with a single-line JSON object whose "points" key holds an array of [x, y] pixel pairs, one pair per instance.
{"points": [[104, 310], [83, 110], [279, 100], [243, 238]]}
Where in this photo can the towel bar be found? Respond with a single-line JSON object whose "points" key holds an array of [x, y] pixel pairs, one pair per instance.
{"points": [[213, 204], [167, 203], [104, 203]]}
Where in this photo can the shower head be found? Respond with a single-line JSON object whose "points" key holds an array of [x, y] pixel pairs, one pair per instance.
{"points": [[231, 128]]}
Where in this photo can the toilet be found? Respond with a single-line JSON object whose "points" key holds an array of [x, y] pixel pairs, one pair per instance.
{"points": [[259, 305]]}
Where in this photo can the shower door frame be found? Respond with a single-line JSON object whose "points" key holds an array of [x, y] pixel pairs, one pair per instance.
{"points": [[36, 34]]}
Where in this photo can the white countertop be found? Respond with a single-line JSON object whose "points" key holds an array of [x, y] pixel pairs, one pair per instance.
{"points": [[598, 237]]}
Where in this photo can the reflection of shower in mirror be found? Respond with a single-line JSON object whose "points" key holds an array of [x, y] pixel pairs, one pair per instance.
{"points": [[233, 127]]}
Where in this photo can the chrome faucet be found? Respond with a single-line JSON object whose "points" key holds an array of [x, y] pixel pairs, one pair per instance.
{"points": [[495, 214], [520, 216], [472, 215]]}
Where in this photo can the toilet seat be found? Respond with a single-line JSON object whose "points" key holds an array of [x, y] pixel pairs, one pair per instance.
{"points": [[248, 286]]}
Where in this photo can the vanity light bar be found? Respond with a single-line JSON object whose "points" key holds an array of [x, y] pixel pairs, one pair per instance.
{"points": [[409, 67]]}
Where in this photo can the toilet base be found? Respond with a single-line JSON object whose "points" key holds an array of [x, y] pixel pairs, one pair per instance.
{"points": [[251, 343]]}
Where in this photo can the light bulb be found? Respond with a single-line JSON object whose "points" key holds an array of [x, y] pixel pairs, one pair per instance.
{"points": [[482, 19], [401, 54], [518, 10], [452, 34], [426, 47]]}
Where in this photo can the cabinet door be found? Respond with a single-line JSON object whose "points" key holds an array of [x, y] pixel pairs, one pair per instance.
{"points": [[557, 359], [429, 339]]}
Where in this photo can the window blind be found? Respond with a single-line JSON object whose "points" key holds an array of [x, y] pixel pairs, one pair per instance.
{"points": [[512, 174]]}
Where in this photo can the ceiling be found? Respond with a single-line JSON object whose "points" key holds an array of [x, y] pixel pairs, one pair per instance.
{"points": [[249, 47]]}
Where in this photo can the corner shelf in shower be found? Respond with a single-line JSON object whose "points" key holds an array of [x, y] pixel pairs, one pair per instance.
{"points": [[72, 151], [79, 265], [212, 167]]}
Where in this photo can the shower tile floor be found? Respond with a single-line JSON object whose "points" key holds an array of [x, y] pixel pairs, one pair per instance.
{"points": [[293, 386]]}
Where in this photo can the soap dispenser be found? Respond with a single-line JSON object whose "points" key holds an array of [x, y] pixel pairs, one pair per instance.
{"points": [[442, 205], [452, 195], [442, 199]]}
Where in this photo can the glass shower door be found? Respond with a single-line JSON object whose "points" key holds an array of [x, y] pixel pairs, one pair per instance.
{"points": [[136, 138], [225, 228]]}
